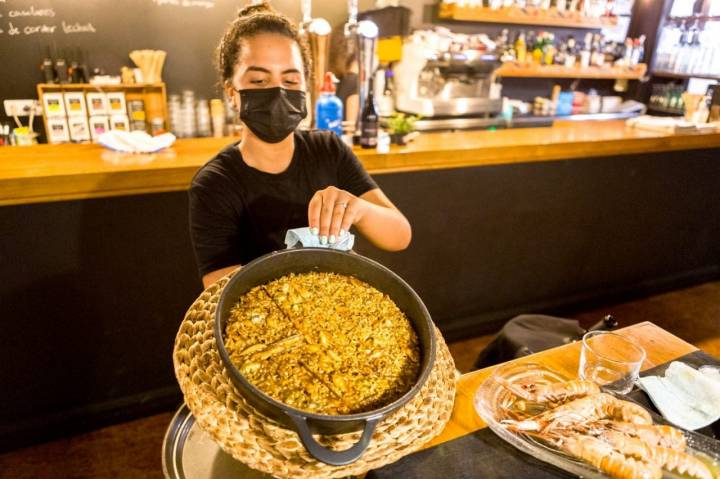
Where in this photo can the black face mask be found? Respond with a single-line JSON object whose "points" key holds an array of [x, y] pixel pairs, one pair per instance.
{"points": [[272, 113]]}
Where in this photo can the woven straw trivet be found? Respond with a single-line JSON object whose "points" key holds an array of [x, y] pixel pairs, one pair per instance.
{"points": [[262, 443]]}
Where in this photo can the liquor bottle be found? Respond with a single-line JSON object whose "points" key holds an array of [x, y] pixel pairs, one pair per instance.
{"points": [[571, 57], [638, 52], [548, 48], [596, 55], [369, 121], [506, 47], [537, 45], [386, 103], [585, 52], [502, 40], [561, 54], [628, 49], [521, 48]]}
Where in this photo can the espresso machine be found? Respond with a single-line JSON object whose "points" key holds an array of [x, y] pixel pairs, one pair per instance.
{"points": [[447, 82]]}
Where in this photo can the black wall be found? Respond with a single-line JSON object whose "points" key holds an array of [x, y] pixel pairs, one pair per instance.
{"points": [[92, 292], [188, 34], [189, 30]]}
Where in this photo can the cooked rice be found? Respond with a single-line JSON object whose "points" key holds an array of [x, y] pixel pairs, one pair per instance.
{"points": [[323, 343]]}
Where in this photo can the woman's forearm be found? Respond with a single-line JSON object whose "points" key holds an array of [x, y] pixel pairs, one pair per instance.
{"points": [[385, 227]]}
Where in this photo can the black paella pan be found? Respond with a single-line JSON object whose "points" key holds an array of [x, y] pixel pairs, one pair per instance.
{"points": [[304, 260]]}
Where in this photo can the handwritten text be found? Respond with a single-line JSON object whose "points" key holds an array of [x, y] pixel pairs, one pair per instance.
{"points": [[78, 27], [32, 12]]}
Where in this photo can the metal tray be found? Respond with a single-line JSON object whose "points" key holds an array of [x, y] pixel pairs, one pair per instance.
{"points": [[492, 400], [189, 453]]}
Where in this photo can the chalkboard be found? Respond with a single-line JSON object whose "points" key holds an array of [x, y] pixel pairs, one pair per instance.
{"points": [[103, 32]]}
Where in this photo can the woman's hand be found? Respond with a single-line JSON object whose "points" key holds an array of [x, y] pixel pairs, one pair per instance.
{"points": [[333, 211]]}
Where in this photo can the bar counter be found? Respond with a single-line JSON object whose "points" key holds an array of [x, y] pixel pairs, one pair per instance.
{"points": [[67, 172], [99, 269]]}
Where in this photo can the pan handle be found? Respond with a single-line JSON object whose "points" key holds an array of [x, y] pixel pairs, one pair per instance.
{"points": [[328, 456]]}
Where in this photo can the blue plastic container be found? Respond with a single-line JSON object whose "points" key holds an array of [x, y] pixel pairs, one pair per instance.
{"points": [[564, 103], [329, 108], [329, 113]]}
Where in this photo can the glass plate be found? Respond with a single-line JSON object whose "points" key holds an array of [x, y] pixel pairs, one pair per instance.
{"points": [[494, 403]]}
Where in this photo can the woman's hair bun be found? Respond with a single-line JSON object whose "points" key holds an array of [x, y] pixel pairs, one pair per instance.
{"points": [[247, 10]]}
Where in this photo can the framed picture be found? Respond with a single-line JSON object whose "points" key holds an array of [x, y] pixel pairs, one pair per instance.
{"points": [[119, 122], [99, 124], [97, 103], [79, 130], [53, 105], [58, 130], [75, 104], [116, 103]]}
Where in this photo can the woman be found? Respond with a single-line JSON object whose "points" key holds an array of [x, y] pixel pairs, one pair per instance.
{"points": [[276, 178]]}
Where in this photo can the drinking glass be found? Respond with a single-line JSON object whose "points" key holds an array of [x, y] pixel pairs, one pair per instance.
{"points": [[610, 360]]}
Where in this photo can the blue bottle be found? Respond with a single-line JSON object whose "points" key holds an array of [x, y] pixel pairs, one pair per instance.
{"points": [[329, 108]]}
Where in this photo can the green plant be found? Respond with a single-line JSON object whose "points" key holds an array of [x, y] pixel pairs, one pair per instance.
{"points": [[402, 124]]}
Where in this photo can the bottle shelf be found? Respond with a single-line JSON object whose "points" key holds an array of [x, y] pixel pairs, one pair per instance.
{"points": [[99, 86], [664, 74], [524, 16], [530, 70], [664, 109], [153, 95], [702, 18]]}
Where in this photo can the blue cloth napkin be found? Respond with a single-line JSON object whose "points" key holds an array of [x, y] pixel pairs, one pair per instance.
{"points": [[302, 237]]}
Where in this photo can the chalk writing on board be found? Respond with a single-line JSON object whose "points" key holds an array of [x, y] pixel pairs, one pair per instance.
{"points": [[78, 27], [31, 29], [67, 28], [186, 3], [32, 12]]}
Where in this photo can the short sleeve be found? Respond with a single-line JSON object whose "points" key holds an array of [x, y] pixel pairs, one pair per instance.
{"points": [[352, 176], [214, 229]]}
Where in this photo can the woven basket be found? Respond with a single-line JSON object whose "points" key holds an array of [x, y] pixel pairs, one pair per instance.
{"points": [[262, 443]]}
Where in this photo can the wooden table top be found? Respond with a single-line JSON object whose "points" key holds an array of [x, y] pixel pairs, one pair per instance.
{"points": [[45, 173], [660, 346]]}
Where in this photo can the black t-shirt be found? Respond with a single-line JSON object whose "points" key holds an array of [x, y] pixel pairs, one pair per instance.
{"points": [[238, 213]]}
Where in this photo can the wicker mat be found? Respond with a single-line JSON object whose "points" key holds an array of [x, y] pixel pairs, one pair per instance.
{"points": [[262, 443]]}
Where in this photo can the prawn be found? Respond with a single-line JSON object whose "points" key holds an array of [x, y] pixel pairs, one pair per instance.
{"points": [[555, 392], [604, 457], [583, 410], [652, 435], [670, 459]]}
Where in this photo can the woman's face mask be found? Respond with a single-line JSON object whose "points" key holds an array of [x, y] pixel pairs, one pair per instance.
{"points": [[272, 113]]}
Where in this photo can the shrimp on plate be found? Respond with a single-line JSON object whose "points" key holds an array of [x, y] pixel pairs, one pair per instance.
{"points": [[555, 392], [587, 409], [669, 459]]}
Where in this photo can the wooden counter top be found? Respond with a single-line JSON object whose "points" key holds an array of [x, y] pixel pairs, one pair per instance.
{"points": [[63, 172], [660, 346]]}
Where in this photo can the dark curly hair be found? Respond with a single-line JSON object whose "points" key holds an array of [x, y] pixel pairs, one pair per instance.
{"points": [[254, 20]]}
